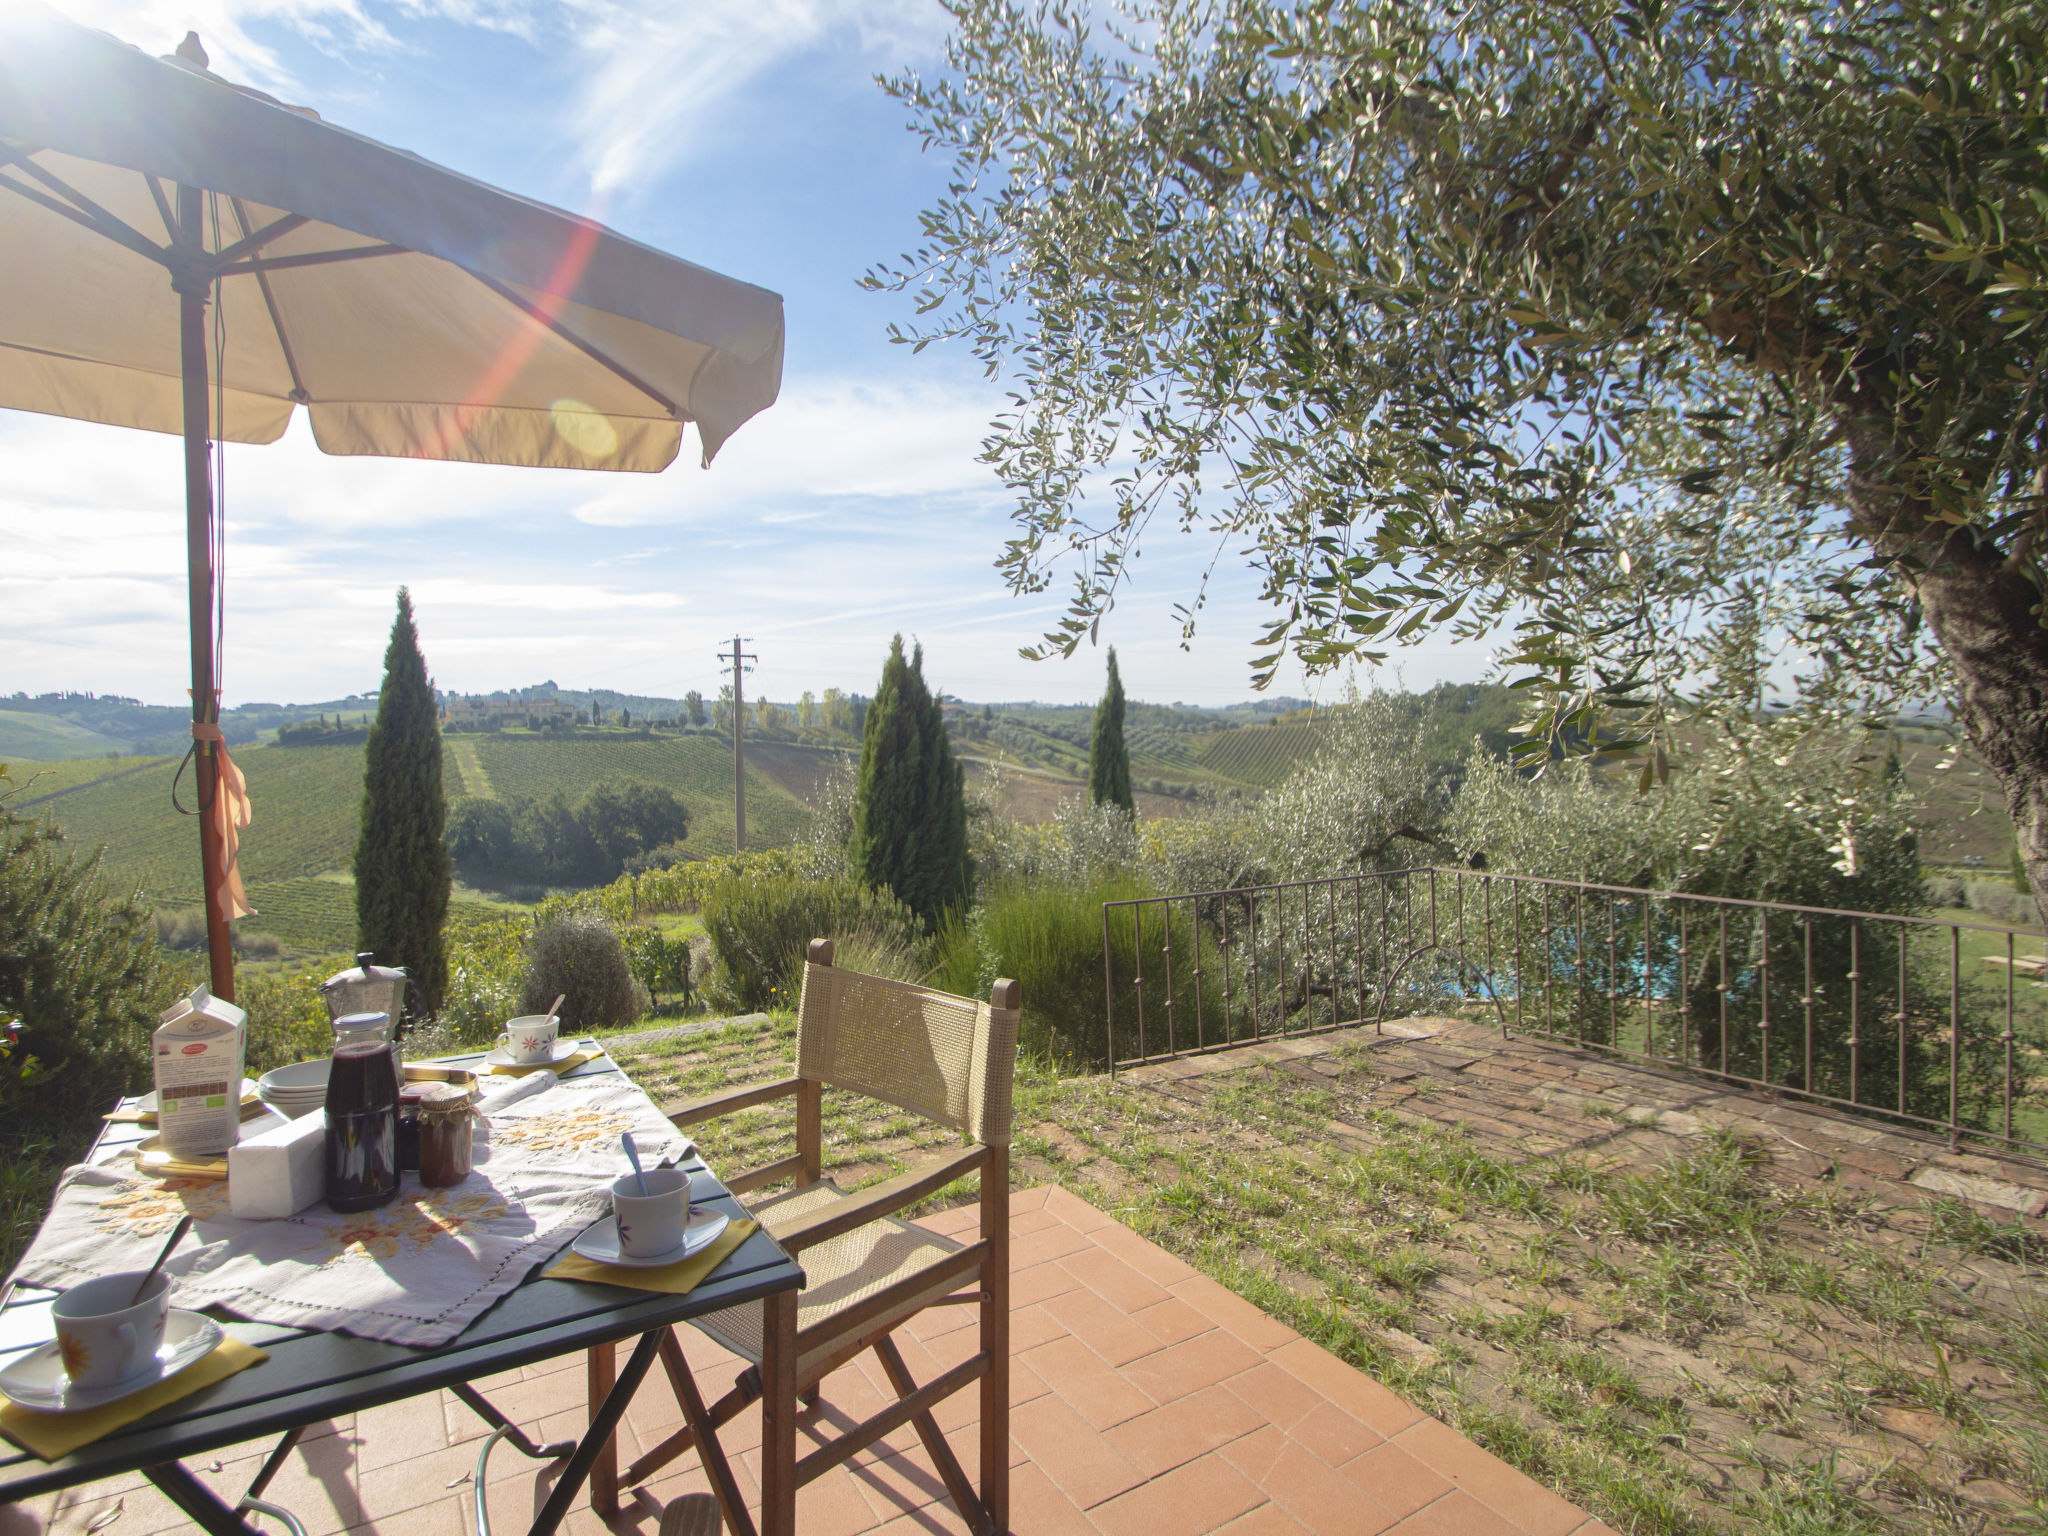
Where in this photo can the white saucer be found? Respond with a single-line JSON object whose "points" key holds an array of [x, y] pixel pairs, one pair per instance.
{"points": [[600, 1244], [501, 1057], [37, 1379]]}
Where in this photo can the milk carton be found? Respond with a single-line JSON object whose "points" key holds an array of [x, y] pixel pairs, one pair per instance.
{"points": [[198, 1056]]}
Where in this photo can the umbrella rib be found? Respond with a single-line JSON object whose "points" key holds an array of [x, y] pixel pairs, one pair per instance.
{"points": [[291, 363], [86, 211], [312, 259], [588, 349], [163, 207], [250, 243]]}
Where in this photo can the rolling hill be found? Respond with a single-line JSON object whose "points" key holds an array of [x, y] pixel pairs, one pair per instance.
{"points": [[305, 820], [295, 854], [40, 737]]}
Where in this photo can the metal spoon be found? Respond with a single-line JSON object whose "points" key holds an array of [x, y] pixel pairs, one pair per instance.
{"points": [[177, 1232], [632, 1156]]}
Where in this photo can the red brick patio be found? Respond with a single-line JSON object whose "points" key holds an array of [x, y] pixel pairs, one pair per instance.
{"points": [[1148, 1400]]}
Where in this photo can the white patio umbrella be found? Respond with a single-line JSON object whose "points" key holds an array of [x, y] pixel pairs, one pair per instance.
{"points": [[185, 255]]}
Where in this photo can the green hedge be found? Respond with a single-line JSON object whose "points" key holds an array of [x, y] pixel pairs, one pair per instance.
{"points": [[760, 925]]}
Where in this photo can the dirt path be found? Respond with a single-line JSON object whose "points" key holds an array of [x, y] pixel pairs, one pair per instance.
{"points": [[475, 782]]}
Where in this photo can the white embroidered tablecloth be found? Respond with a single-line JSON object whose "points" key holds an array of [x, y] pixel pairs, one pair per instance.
{"points": [[416, 1271]]}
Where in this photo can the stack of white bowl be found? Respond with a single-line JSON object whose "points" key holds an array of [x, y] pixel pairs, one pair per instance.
{"points": [[298, 1089]]}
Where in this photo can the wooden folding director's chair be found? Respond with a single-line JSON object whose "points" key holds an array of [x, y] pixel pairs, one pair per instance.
{"points": [[950, 1059]]}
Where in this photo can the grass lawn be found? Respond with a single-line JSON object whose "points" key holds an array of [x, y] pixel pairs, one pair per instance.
{"points": [[1701, 1346]]}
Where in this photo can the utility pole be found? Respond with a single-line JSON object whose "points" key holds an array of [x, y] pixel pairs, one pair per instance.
{"points": [[740, 659]]}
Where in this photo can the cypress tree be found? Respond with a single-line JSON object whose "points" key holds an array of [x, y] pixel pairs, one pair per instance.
{"points": [[1109, 760], [910, 805], [402, 865]]}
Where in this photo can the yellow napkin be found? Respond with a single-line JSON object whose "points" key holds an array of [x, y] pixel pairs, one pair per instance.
{"points": [[55, 1435], [677, 1279], [566, 1064]]}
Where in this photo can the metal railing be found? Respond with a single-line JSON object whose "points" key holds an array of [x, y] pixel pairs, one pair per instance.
{"points": [[1920, 1021]]}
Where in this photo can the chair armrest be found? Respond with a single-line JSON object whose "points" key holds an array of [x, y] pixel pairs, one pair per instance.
{"points": [[711, 1107], [876, 1201]]}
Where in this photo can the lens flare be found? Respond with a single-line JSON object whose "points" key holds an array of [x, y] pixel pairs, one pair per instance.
{"points": [[496, 379], [585, 428]]}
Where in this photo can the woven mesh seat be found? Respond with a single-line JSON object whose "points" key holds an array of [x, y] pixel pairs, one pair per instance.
{"points": [[949, 1059], [838, 1272]]}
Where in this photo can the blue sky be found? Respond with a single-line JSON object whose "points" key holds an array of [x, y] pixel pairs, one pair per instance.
{"points": [[746, 135]]}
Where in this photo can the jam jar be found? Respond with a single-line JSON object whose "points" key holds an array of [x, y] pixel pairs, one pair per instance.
{"points": [[445, 1121], [409, 1097]]}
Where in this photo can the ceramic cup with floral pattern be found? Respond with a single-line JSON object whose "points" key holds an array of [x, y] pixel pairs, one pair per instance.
{"points": [[530, 1040], [651, 1224], [104, 1335]]}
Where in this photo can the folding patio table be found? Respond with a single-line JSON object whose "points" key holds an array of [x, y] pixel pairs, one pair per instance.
{"points": [[312, 1375]]}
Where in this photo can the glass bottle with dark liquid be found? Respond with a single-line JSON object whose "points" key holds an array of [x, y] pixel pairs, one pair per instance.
{"points": [[362, 1127]]}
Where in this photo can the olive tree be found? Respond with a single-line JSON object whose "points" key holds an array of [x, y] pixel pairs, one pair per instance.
{"points": [[1694, 349]]}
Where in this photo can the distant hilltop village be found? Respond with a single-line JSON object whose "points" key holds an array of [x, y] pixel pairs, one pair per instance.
{"points": [[486, 713]]}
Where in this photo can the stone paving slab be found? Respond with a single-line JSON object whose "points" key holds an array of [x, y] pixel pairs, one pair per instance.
{"points": [[1147, 1400]]}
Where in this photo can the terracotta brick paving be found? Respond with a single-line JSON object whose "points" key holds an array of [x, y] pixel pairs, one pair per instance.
{"points": [[1147, 1401]]}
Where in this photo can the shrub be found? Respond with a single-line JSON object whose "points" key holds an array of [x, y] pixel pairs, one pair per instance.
{"points": [[1945, 891], [182, 928], [579, 957], [667, 856], [1219, 851], [1997, 900], [486, 975], [81, 972], [660, 962], [1081, 845], [288, 1019], [760, 927], [1048, 939]]}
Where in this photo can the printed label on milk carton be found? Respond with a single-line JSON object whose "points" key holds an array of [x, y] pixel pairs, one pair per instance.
{"points": [[197, 1051]]}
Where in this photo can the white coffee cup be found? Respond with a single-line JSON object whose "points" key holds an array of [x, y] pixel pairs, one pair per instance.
{"points": [[103, 1336], [530, 1039], [651, 1224]]}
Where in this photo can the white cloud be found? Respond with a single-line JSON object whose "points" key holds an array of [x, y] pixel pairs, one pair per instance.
{"points": [[659, 82], [666, 77], [826, 439]]}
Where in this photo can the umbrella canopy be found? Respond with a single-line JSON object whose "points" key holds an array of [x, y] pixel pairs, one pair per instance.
{"points": [[412, 311], [186, 255]]}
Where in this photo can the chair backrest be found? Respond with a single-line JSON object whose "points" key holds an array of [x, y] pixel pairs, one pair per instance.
{"points": [[950, 1059]]}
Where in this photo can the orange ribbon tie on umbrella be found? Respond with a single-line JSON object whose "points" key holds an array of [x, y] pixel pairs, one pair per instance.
{"points": [[231, 812]]}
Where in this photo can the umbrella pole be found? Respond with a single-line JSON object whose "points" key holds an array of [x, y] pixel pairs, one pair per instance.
{"points": [[191, 286]]}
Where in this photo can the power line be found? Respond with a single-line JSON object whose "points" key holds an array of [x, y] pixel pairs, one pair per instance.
{"points": [[742, 664]]}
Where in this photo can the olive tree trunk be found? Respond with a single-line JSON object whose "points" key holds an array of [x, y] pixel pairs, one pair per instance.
{"points": [[1984, 611]]}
